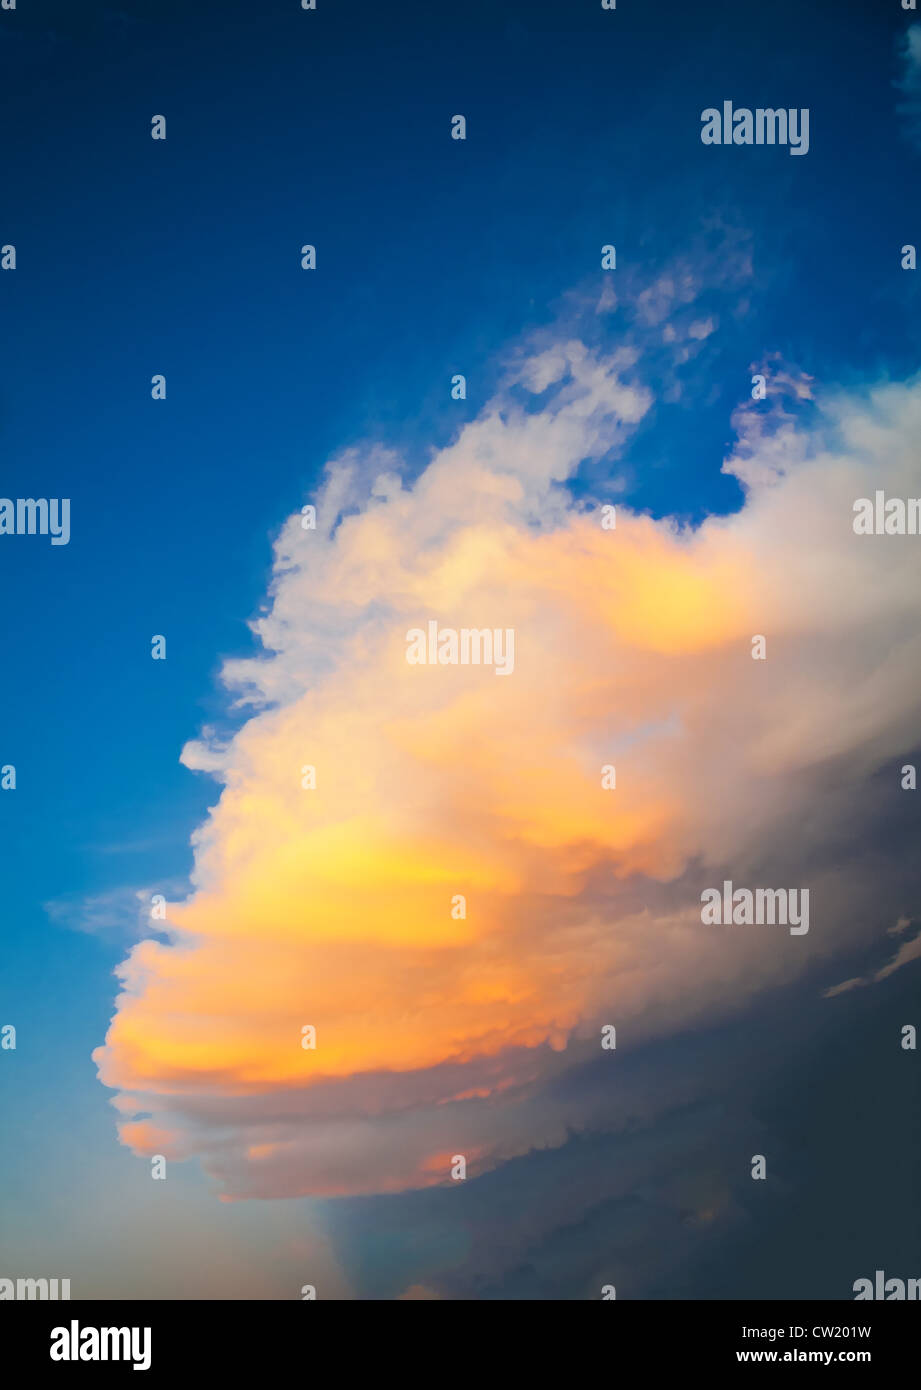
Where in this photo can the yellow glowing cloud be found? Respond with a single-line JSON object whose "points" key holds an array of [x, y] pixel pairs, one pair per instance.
{"points": [[335, 907]]}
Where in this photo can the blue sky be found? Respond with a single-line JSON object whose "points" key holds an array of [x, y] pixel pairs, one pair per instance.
{"points": [[434, 257]]}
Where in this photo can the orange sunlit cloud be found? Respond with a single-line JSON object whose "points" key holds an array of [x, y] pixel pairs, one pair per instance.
{"points": [[335, 906]]}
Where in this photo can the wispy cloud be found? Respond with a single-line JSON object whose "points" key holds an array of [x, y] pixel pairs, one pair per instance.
{"points": [[908, 951], [119, 913]]}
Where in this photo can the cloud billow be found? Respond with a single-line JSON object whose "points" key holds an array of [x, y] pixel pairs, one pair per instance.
{"points": [[331, 906]]}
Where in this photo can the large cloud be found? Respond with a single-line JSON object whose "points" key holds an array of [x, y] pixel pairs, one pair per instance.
{"points": [[332, 906]]}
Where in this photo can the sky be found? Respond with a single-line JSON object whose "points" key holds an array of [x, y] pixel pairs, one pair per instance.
{"points": [[331, 906]]}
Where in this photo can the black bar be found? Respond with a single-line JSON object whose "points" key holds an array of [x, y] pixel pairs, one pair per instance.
{"points": [[393, 1340]]}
